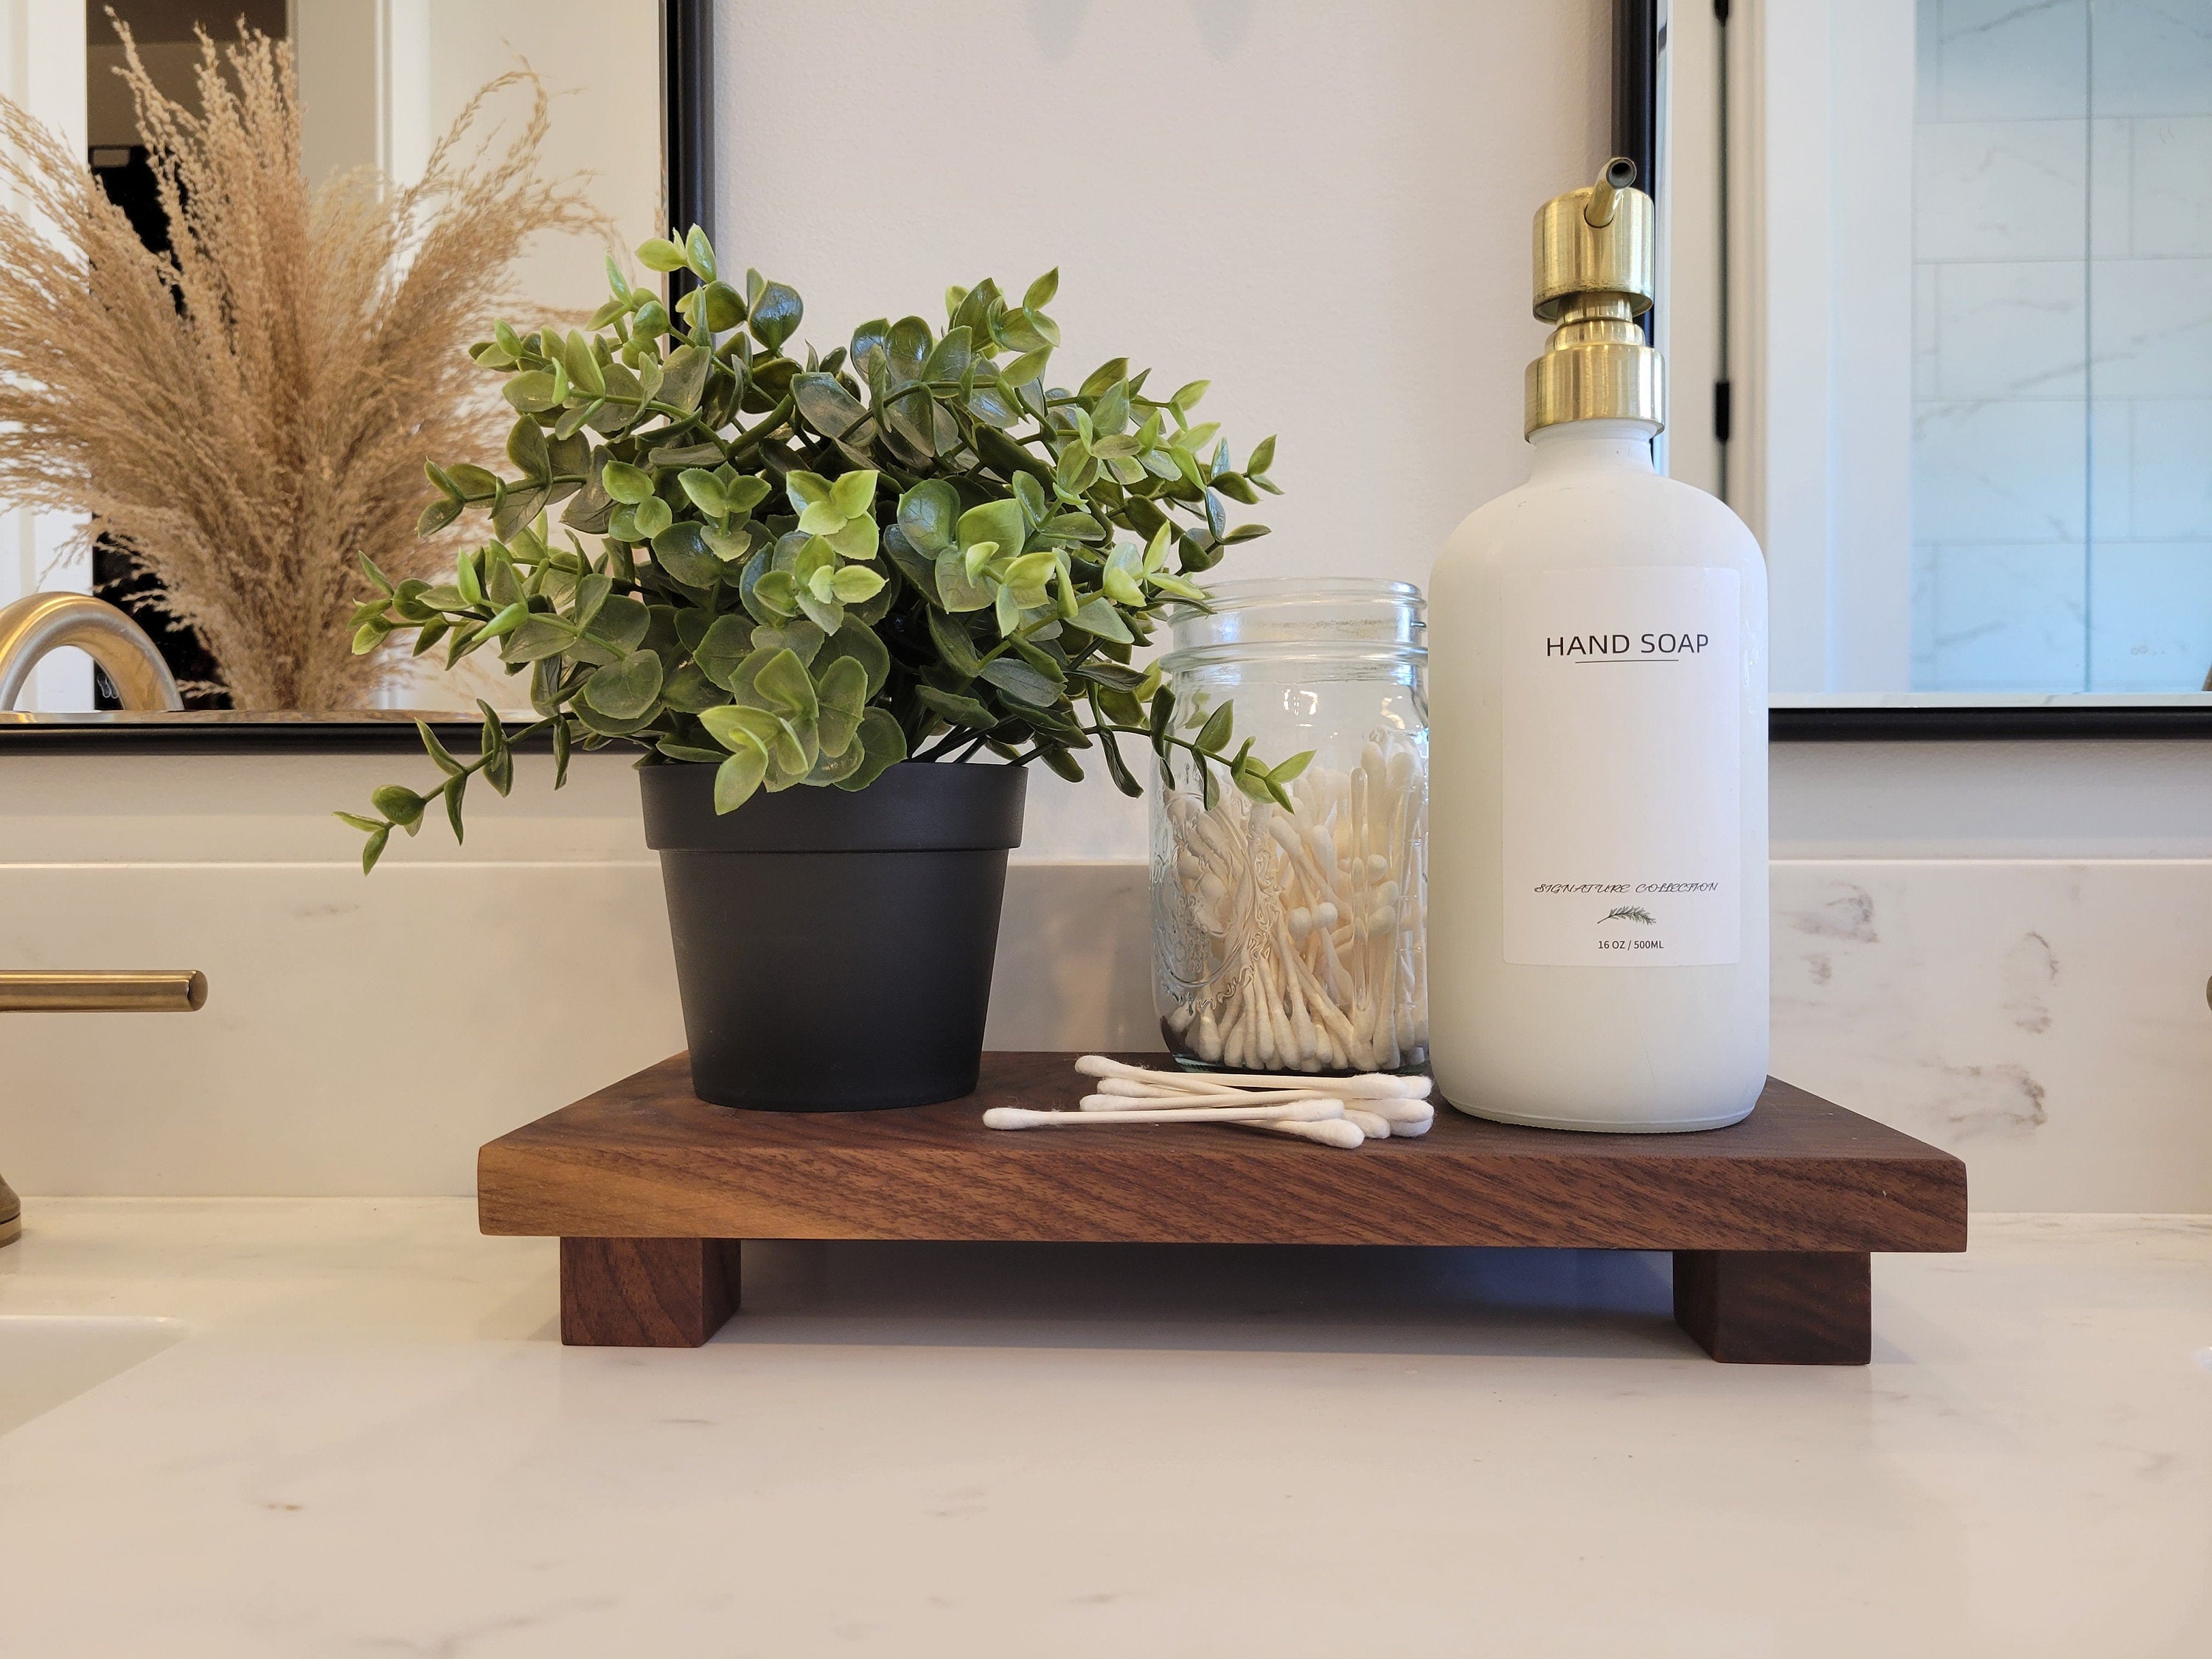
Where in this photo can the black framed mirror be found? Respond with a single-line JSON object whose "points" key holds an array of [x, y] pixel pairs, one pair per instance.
{"points": [[1902, 348], [600, 62]]}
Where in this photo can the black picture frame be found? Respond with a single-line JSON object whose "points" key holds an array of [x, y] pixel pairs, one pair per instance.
{"points": [[1636, 43]]}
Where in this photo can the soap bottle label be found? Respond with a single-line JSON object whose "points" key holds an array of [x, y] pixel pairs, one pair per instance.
{"points": [[1623, 786]]}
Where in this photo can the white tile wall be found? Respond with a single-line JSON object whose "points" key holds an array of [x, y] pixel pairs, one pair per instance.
{"points": [[2062, 252], [2000, 469]]}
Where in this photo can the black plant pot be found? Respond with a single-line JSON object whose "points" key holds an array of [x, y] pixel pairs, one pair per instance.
{"points": [[834, 948]]}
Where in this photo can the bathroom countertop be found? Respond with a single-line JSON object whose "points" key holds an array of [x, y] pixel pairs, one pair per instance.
{"points": [[363, 1437]]}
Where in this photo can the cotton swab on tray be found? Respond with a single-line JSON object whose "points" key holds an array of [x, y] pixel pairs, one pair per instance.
{"points": [[1343, 1112]]}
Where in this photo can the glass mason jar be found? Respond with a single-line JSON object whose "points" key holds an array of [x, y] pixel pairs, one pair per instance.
{"points": [[1292, 939]]}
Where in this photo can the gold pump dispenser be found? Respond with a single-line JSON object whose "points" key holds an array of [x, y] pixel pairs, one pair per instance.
{"points": [[1594, 266]]}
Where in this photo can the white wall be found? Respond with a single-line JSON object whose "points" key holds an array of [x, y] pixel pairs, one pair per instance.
{"points": [[1324, 208]]}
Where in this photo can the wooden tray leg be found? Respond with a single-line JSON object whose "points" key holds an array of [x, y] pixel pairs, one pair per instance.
{"points": [[1777, 1307], [646, 1292]]}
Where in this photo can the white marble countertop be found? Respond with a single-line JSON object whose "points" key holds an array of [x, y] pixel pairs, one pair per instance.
{"points": [[360, 1437]]}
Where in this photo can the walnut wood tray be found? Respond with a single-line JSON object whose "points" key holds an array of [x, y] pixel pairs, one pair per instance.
{"points": [[1771, 1222]]}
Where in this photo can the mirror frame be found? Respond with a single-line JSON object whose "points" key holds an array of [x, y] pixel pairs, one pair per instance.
{"points": [[687, 44], [1637, 47]]}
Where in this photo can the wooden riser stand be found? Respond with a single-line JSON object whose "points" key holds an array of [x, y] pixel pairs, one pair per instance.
{"points": [[1771, 1222]]}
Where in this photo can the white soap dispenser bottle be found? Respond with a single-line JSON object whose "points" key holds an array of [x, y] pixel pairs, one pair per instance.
{"points": [[1597, 654]]}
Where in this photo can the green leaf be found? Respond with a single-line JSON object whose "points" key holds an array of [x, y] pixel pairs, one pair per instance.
{"points": [[437, 515], [626, 483], [961, 711], [1117, 769], [1097, 617], [854, 586], [686, 378], [583, 365], [724, 306], [854, 494], [828, 406], [799, 636], [737, 727], [1214, 736], [454, 790], [372, 848], [954, 645], [882, 745], [367, 826], [1061, 762], [928, 515], [1020, 681], [1041, 290], [532, 392], [399, 803], [622, 622], [1291, 768], [536, 637], [705, 490], [653, 515], [949, 358], [857, 640], [1186, 398], [957, 589], [907, 349], [775, 314], [1027, 368], [1263, 457], [1111, 373], [659, 255], [805, 491], [840, 693], [699, 254], [681, 550], [745, 493], [446, 762], [737, 777], [869, 347], [999, 522], [783, 680], [856, 539], [724, 649], [625, 689]]}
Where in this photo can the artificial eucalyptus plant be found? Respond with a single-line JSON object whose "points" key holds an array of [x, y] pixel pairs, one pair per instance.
{"points": [[912, 547]]}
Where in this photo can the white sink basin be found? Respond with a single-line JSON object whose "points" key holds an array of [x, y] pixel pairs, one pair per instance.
{"points": [[46, 1360]]}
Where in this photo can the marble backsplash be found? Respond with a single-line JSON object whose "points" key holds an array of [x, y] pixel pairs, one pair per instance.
{"points": [[2045, 1019]]}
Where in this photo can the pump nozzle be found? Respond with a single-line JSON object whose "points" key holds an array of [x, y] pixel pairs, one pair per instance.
{"points": [[1619, 174]]}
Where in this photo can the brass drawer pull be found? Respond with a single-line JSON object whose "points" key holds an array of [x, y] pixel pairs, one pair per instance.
{"points": [[114, 991]]}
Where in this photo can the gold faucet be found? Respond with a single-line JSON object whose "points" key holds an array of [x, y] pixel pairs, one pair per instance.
{"points": [[155, 991], [40, 623], [29, 629]]}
